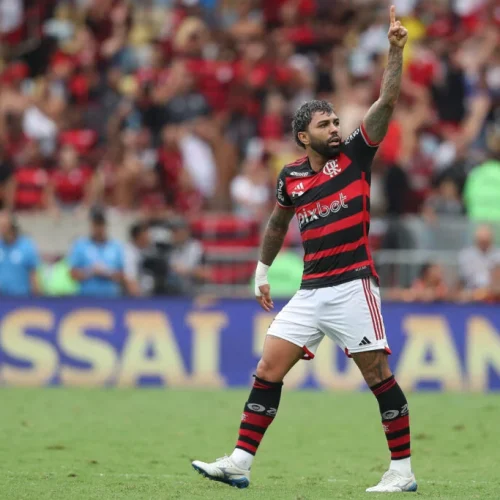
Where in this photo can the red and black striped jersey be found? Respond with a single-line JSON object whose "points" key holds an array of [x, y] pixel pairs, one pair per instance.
{"points": [[332, 207]]}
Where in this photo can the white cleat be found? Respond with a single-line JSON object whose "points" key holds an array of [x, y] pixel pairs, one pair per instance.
{"points": [[224, 470], [393, 482]]}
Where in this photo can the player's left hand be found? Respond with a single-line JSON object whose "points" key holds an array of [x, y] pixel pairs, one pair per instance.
{"points": [[398, 34]]}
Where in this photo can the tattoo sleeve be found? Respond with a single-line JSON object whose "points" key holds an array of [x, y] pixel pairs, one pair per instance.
{"points": [[377, 119], [274, 235]]}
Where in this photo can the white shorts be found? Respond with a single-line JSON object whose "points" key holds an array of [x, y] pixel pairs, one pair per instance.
{"points": [[348, 313]]}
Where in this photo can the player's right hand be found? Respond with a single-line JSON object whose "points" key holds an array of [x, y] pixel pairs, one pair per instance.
{"points": [[398, 34], [265, 300]]}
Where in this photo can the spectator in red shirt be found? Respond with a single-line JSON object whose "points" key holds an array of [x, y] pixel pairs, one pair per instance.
{"points": [[272, 123], [176, 183], [71, 183], [424, 64], [31, 180]]}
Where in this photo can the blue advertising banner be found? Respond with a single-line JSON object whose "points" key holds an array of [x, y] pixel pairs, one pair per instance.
{"points": [[184, 343]]}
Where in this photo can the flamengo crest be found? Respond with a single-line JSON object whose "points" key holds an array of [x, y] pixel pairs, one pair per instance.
{"points": [[332, 168]]}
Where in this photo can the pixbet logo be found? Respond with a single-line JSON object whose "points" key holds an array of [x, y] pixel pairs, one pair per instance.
{"points": [[306, 216]]}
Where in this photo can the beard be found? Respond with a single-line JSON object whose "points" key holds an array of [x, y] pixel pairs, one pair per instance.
{"points": [[324, 149]]}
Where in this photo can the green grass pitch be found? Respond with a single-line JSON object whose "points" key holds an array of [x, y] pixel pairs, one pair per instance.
{"points": [[76, 444]]}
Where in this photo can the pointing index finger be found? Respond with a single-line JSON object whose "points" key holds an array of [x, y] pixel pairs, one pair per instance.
{"points": [[393, 14]]}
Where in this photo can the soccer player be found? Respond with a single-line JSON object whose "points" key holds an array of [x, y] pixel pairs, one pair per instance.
{"points": [[329, 192]]}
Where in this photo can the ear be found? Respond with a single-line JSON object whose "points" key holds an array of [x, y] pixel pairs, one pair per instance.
{"points": [[304, 138]]}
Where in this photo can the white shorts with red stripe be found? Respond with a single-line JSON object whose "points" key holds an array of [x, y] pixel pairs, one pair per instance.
{"points": [[348, 313]]}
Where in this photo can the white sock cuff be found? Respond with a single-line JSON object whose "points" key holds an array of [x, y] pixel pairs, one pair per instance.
{"points": [[402, 466], [242, 458]]}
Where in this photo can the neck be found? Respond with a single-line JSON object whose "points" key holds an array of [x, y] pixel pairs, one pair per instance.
{"points": [[316, 160]]}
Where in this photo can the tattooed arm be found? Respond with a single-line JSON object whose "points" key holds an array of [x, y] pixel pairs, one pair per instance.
{"points": [[275, 233], [274, 236], [377, 119]]}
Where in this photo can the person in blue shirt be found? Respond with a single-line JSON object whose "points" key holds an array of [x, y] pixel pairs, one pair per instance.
{"points": [[97, 262], [19, 260]]}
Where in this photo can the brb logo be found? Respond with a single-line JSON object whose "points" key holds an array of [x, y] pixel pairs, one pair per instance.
{"points": [[306, 216]]}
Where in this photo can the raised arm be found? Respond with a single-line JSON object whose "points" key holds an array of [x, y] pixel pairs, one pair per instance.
{"points": [[377, 119], [274, 236]]}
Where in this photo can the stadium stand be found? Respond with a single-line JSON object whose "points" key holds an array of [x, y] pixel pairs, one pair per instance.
{"points": [[165, 108]]}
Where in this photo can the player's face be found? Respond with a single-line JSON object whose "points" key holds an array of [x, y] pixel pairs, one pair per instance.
{"points": [[324, 134]]}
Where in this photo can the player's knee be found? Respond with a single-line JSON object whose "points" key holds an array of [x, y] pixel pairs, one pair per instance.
{"points": [[268, 371], [374, 366], [377, 375], [373, 377]]}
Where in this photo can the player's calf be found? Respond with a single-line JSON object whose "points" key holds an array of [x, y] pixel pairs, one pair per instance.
{"points": [[396, 423], [393, 408], [258, 414], [278, 357]]}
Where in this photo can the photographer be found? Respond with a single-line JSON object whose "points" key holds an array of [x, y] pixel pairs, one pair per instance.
{"points": [[146, 261], [138, 282], [148, 268]]}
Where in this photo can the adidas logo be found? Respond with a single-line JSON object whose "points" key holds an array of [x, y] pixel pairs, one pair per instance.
{"points": [[298, 190], [365, 341]]}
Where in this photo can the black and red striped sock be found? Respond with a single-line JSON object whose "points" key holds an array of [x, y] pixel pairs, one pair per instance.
{"points": [[258, 414], [396, 422]]}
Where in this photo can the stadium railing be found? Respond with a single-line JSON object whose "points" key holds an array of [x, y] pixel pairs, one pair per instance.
{"points": [[401, 246]]}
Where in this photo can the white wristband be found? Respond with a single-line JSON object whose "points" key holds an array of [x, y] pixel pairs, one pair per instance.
{"points": [[260, 277]]}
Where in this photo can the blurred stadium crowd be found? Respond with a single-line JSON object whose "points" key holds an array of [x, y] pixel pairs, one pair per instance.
{"points": [[178, 112]]}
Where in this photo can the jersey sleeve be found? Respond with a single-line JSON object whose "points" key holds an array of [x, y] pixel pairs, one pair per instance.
{"points": [[282, 197], [359, 147]]}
